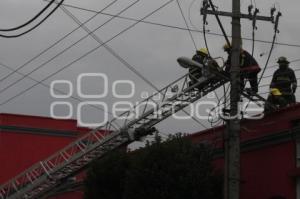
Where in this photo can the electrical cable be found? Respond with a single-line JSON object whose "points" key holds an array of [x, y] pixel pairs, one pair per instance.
{"points": [[272, 46], [31, 20], [219, 105], [113, 52], [205, 41], [206, 45], [193, 43], [267, 76], [65, 50], [270, 52], [213, 7], [265, 85], [87, 53], [179, 28], [118, 57], [47, 86], [34, 27], [187, 26], [295, 60], [189, 14], [204, 34], [253, 36], [225, 97], [109, 49], [264, 68], [55, 43]]}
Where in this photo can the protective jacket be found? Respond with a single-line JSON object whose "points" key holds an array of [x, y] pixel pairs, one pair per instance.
{"points": [[247, 63], [285, 80], [196, 73]]}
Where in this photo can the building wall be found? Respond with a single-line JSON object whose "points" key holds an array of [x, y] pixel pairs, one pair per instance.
{"points": [[19, 151], [265, 171], [268, 149], [268, 155], [26, 140]]}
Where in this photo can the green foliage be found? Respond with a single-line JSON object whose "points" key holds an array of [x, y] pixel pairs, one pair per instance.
{"points": [[173, 169], [106, 177]]}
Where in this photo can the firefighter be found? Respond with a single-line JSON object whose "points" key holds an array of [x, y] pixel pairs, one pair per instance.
{"points": [[195, 73], [203, 58], [249, 68], [275, 100], [285, 80]]}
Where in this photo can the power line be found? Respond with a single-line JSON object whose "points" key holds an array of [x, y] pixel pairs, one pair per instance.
{"points": [[187, 26], [193, 40], [55, 43], [29, 21], [108, 48], [296, 60], [47, 86], [34, 27], [86, 54], [66, 49], [114, 53], [265, 85], [206, 45], [180, 28], [272, 46], [189, 14], [272, 75]]}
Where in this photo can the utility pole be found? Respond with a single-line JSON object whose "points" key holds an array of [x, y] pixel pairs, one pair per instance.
{"points": [[232, 133]]}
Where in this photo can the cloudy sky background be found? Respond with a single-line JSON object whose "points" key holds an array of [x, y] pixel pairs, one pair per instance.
{"points": [[150, 49]]}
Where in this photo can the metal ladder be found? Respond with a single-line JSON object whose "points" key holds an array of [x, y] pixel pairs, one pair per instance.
{"points": [[48, 174]]}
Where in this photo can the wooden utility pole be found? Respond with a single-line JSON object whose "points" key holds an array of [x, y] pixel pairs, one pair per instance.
{"points": [[232, 133]]}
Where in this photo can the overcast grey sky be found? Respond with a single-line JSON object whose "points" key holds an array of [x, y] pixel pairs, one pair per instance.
{"points": [[150, 49]]}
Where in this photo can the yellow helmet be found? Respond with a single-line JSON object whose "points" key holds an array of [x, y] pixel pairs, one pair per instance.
{"points": [[275, 92], [226, 46], [203, 51]]}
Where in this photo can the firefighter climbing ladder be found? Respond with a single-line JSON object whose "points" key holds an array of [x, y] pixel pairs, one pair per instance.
{"points": [[48, 174]]}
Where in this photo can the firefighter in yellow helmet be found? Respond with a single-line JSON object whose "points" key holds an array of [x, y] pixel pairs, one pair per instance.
{"points": [[195, 73], [275, 100], [249, 68], [202, 57]]}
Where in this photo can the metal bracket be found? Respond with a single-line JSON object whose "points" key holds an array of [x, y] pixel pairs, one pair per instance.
{"points": [[241, 15]]}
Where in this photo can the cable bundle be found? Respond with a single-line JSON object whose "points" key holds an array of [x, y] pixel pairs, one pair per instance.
{"points": [[29, 22]]}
